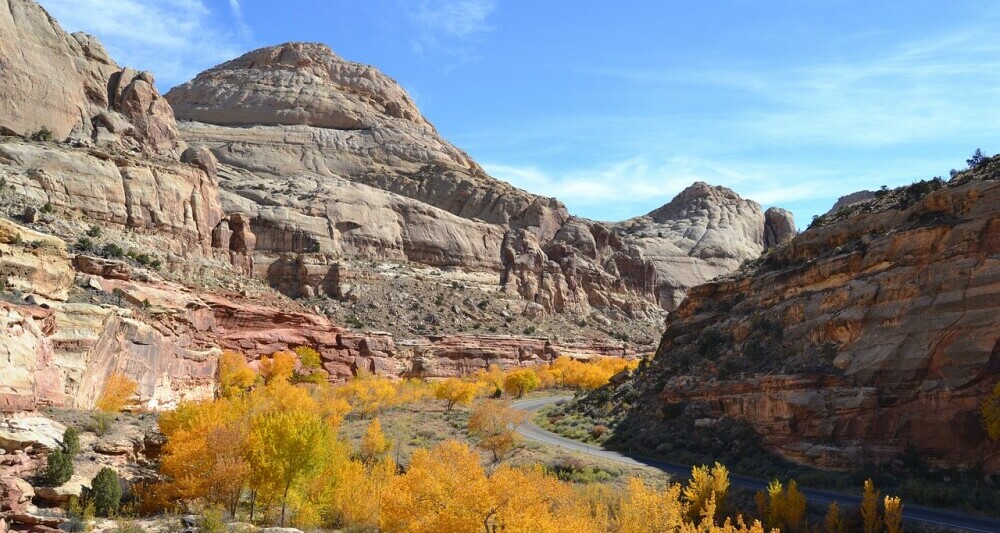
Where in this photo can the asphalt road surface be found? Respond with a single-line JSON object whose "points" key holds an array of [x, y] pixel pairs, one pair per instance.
{"points": [[913, 513]]}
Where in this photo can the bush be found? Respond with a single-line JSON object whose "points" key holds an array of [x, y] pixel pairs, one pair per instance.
{"points": [[47, 208], [210, 521], [94, 231], [43, 134], [84, 244], [59, 469], [106, 491], [113, 250], [71, 441]]}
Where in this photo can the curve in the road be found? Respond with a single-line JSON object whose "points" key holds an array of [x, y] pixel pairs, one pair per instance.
{"points": [[915, 513]]}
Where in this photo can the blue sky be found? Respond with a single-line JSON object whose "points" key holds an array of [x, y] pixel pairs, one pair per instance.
{"points": [[614, 107]]}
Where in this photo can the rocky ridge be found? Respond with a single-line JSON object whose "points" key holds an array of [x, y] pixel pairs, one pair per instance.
{"points": [[871, 334], [294, 126], [300, 165]]}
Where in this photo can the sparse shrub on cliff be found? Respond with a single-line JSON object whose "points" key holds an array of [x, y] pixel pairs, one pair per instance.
{"points": [[44, 134], [112, 250], [47, 208], [59, 468], [84, 244], [94, 231]]}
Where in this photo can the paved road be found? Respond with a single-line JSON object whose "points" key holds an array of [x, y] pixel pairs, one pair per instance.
{"points": [[913, 513]]}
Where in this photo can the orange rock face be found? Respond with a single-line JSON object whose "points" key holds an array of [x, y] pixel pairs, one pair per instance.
{"points": [[872, 334]]}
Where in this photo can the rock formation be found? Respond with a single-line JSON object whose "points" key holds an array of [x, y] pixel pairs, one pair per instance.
{"points": [[329, 156], [69, 85], [874, 332]]}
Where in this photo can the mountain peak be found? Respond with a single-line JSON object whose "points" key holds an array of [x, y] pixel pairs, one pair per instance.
{"points": [[294, 83]]}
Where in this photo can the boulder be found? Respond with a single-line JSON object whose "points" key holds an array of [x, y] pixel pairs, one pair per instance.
{"points": [[20, 431]]}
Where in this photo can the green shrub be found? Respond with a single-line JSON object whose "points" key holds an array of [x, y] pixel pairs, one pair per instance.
{"points": [[79, 513], [47, 208], [71, 441], [59, 469], [43, 134], [210, 521], [84, 244], [113, 250], [94, 231], [106, 491], [101, 422]]}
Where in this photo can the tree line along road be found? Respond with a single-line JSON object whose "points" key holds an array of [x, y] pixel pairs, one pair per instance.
{"points": [[912, 513]]}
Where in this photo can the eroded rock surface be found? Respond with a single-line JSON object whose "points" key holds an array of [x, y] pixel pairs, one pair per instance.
{"points": [[69, 85], [873, 332]]}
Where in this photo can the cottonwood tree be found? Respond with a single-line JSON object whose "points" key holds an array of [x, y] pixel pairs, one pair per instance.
{"points": [[494, 424]]}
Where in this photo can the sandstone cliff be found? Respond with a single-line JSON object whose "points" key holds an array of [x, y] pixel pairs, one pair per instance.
{"points": [[875, 332], [326, 156], [69, 85]]}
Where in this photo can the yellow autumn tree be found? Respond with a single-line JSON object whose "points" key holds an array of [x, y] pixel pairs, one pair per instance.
{"points": [[375, 446], [706, 483], [455, 391], [286, 446], [492, 379], [786, 507], [869, 508], [368, 394], [991, 413], [280, 366], [235, 375], [117, 391], [444, 490], [494, 425], [520, 382], [644, 509], [833, 522], [893, 514]]}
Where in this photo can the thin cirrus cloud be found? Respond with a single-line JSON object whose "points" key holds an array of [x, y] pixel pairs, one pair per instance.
{"points": [[449, 28], [175, 39], [638, 185]]}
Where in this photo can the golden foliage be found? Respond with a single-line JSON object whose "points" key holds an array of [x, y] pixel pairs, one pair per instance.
{"points": [[368, 394], [706, 484], [833, 522], [521, 382], [235, 375], [374, 446], [492, 379], [591, 374], [455, 391], [869, 508], [786, 508], [646, 510], [494, 424], [893, 514], [118, 390], [308, 357], [991, 413], [279, 367]]}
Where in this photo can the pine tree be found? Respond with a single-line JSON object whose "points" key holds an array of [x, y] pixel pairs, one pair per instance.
{"points": [[107, 492]]}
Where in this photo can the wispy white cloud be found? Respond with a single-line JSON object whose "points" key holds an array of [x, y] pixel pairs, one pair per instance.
{"points": [[175, 39], [449, 28], [913, 91]]}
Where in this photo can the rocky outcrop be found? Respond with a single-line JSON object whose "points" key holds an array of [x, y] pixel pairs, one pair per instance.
{"points": [[32, 262], [69, 85], [873, 332], [779, 227], [326, 156], [169, 199]]}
